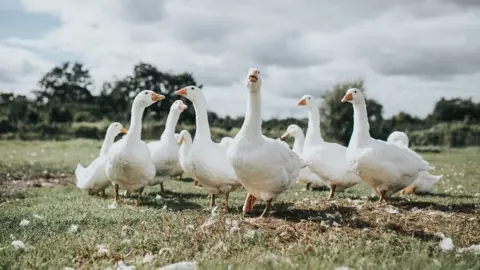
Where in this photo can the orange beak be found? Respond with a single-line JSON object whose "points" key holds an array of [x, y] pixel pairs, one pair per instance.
{"points": [[183, 107], [347, 97], [181, 92], [285, 135], [123, 130], [156, 97], [302, 102], [180, 140]]}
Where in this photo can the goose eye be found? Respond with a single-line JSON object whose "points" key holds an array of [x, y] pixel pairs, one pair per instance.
{"points": [[355, 91], [146, 93], [192, 88]]}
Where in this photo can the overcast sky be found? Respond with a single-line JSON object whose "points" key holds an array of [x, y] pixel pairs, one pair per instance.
{"points": [[410, 52]]}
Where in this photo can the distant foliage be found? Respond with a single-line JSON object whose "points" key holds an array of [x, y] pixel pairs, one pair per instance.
{"points": [[64, 107]]}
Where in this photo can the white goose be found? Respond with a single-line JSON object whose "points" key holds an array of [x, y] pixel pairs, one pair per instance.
{"points": [[425, 181], [306, 175], [210, 166], [185, 141], [165, 151], [226, 141], [386, 167], [266, 167], [129, 164], [328, 160], [93, 177]]}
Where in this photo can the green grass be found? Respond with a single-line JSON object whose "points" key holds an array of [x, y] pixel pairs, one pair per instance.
{"points": [[306, 231]]}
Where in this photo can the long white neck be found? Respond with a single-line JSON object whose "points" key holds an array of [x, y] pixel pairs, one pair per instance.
{"points": [[185, 148], [135, 129], [313, 131], [252, 126], [202, 132], [169, 132], [361, 127], [107, 143], [298, 143]]}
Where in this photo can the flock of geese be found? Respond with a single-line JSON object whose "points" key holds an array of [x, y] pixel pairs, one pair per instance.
{"points": [[265, 167]]}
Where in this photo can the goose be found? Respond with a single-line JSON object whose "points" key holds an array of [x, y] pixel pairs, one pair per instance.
{"points": [[328, 160], [185, 141], [386, 167], [93, 177], [425, 181], [226, 141], [129, 164], [178, 172], [210, 166], [165, 151], [266, 167], [306, 175]]}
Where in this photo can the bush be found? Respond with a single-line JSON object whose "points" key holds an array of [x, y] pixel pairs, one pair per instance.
{"points": [[87, 132]]}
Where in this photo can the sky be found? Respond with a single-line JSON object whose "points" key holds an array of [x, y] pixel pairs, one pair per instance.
{"points": [[409, 52]]}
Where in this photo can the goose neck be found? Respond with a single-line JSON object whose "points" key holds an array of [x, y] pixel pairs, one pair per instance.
{"points": [[361, 127], [135, 129], [107, 143], [171, 123], [252, 126], [202, 132], [298, 143], [313, 130]]}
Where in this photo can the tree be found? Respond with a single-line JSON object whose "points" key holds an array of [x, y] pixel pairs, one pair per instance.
{"points": [[456, 109], [116, 97], [68, 83], [336, 118]]}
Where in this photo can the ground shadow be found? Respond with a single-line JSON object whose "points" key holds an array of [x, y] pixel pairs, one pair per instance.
{"points": [[467, 208]]}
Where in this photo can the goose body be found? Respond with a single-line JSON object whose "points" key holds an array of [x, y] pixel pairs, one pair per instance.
{"points": [[265, 167], [164, 152], [185, 141], [306, 175], [425, 181], [328, 160], [129, 164], [226, 141], [386, 167], [211, 168], [93, 178]]}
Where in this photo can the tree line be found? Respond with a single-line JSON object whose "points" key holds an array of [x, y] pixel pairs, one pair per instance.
{"points": [[64, 107]]}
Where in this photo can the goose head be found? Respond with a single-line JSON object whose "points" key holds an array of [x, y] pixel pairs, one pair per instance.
{"points": [[292, 130], [191, 92], [178, 106], [354, 96], [115, 128], [254, 80], [184, 136], [146, 98], [307, 101]]}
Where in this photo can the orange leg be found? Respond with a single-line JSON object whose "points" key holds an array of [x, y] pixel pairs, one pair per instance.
{"points": [[332, 192], [267, 208], [116, 198], [212, 200], [408, 190], [382, 197], [248, 205], [225, 206]]}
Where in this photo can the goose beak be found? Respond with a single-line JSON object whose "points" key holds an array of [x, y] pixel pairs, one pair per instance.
{"points": [[302, 102], [180, 140], [156, 97], [123, 130], [285, 135], [182, 107], [181, 92], [347, 97]]}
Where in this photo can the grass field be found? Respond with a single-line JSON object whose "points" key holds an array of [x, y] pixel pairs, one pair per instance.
{"points": [[305, 231]]}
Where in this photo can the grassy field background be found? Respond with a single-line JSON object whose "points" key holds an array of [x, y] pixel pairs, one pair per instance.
{"points": [[67, 227]]}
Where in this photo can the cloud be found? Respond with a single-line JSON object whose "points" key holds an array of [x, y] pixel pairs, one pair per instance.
{"points": [[20, 69], [422, 49]]}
